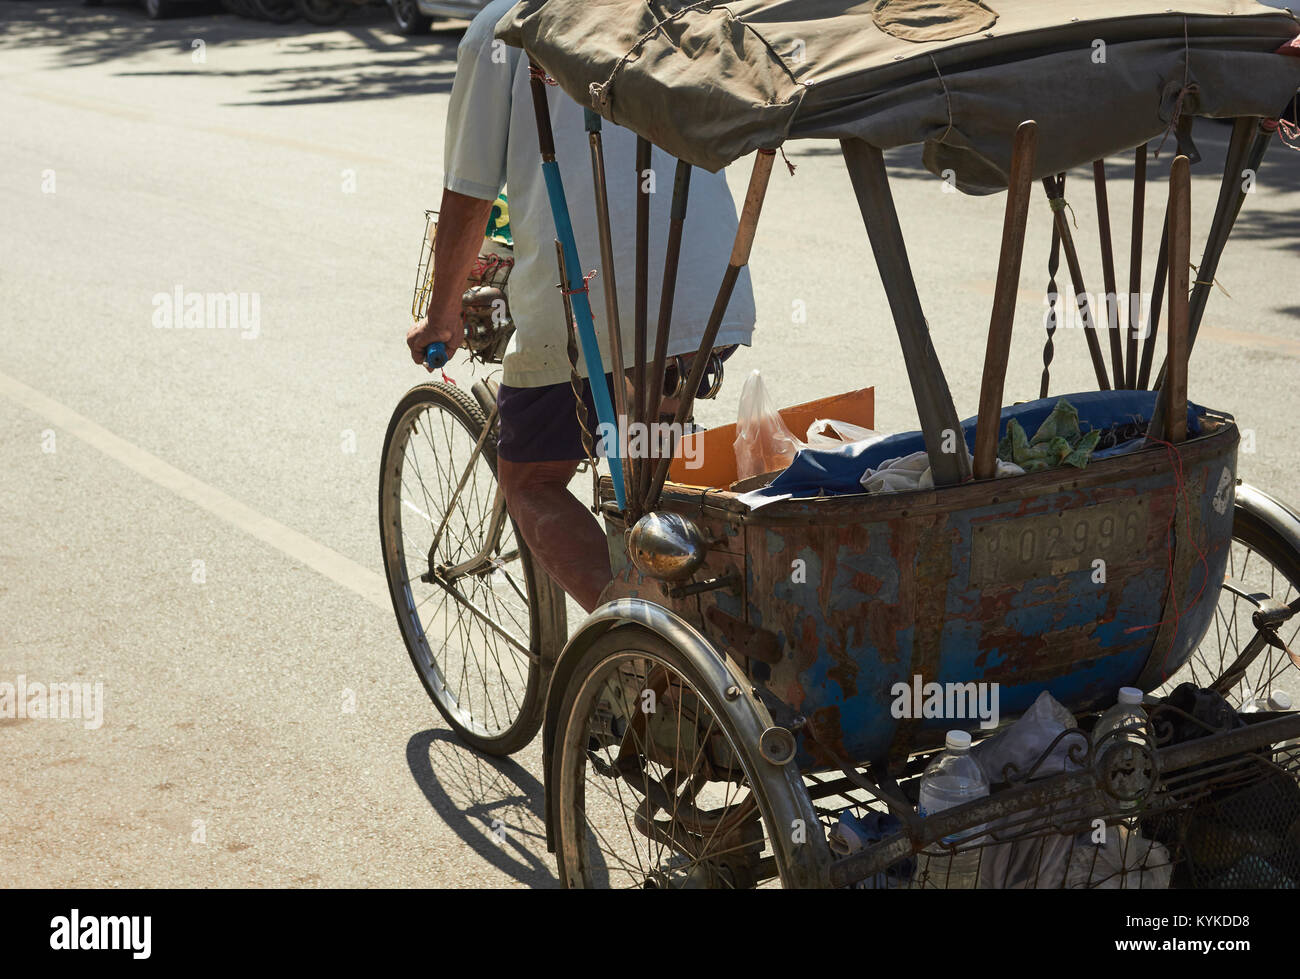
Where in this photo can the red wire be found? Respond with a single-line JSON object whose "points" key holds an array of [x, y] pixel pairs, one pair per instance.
{"points": [[586, 284]]}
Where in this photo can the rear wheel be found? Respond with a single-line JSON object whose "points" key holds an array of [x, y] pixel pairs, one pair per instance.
{"points": [[475, 613], [1262, 564], [658, 787]]}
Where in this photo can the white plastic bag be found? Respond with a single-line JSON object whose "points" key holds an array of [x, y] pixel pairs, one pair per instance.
{"points": [[912, 472], [763, 442], [831, 433], [1040, 862], [1023, 742]]}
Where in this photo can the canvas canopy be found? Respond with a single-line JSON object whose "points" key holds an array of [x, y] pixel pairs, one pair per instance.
{"points": [[712, 81]]}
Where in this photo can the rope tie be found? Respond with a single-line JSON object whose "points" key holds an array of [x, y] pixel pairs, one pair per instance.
{"points": [[599, 91], [1189, 88], [1061, 204], [1212, 282]]}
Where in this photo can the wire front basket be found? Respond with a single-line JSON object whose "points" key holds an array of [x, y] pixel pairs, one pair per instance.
{"points": [[485, 309]]}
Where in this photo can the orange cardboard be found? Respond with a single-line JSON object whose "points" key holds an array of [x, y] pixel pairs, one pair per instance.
{"points": [[715, 449]]}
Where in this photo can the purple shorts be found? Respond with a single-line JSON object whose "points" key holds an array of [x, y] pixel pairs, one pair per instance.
{"points": [[541, 424]]}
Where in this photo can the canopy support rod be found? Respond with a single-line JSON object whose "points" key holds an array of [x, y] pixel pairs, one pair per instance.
{"points": [[749, 214], [672, 258], [1173, 392], [1108, 272], [1242, 156], [1157, 302], [1056, 197], [1134, 303], [642, 284], [938, 417], [1232, 194], [1019, 191], [610, 283], [575, 286]]}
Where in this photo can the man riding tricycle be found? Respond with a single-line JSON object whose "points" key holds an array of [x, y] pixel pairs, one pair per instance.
{"points": [[1046, 648]]}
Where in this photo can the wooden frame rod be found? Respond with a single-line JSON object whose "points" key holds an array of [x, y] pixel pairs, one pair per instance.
{"points": [[1108, 272], [1173, 393], [1157, 302], [610, 287], [1020, 188], [1134, 304], [938, 417], [642, 292], [740, 251], [672, 258], [1243, 155]]}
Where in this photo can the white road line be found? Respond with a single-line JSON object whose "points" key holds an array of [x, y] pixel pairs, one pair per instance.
{"points": [[298, 547]]}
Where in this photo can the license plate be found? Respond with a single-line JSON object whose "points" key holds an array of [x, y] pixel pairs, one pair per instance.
{"points": [[1050, 545]]}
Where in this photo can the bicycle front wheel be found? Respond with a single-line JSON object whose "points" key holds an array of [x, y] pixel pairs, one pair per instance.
{"points": [[479, 619]]}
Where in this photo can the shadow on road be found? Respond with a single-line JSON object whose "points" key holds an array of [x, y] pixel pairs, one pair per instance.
{"points": [[493, 804], [386, 65]]}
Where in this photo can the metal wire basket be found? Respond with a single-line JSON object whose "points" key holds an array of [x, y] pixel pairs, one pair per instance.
{"points": [[485, 308], [1200, 803]]}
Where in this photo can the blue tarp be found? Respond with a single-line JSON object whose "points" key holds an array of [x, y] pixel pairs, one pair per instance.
{"points": [[836, 472]]}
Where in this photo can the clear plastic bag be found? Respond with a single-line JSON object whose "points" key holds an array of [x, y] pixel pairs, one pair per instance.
{"points": [[764, 443], [831, 433]]}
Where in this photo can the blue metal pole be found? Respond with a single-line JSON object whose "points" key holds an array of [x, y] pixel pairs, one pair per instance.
{"points": [[577, 287]]}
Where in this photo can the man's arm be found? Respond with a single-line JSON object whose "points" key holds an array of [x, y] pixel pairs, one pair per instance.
{"points": [[462, 221]]}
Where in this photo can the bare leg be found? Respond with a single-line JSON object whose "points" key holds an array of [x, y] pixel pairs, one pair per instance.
{"points": [[562, 534]]}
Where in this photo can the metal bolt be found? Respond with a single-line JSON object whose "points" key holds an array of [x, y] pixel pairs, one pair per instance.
{"points": [[732, 692]]}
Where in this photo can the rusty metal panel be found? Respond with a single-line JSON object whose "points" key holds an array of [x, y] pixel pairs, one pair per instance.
{"points": [[1009, 551], [928, 591], [991, 583]]}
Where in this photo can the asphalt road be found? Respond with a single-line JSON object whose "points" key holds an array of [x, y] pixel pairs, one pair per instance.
{"points": [[294, 164]]}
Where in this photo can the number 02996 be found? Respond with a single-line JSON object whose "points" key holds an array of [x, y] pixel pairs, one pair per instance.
{"points": [[1055, 544]]}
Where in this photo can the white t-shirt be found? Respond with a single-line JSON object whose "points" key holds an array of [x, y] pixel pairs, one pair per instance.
{"points": [[492, 144]]}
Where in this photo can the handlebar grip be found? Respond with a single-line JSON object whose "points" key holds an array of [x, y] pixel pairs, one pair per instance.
{"points": [[435, 355]]}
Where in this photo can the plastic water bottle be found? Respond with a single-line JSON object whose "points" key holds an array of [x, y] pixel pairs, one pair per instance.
{"points": [[1277, 700], [1126, 716], [1285, 753], [955, 777]]}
